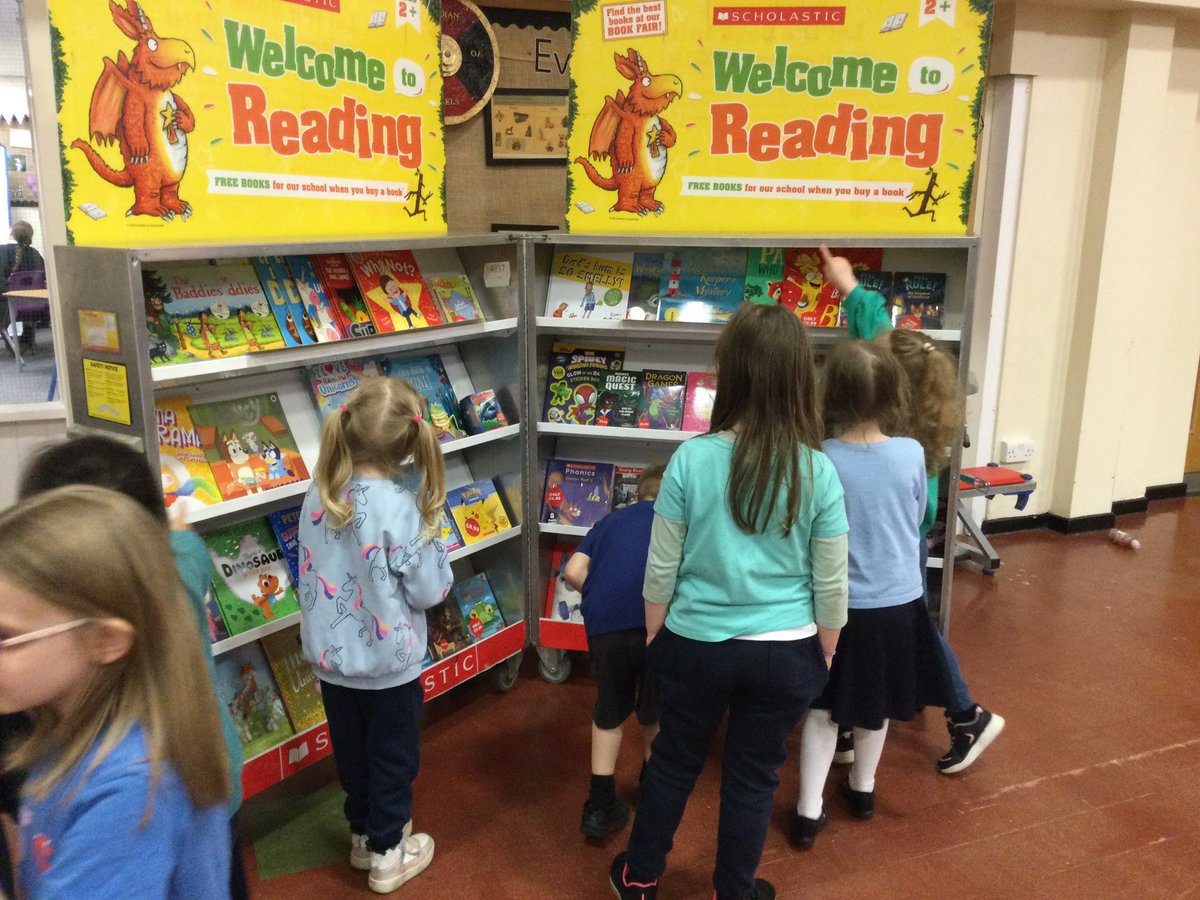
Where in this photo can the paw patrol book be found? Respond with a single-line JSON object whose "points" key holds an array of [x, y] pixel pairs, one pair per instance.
{"points": [[574, 380], [349, 308], [197, 311], [479, 606], [247, 689], [183, 465], [576, 493], [251, 579], [313, 299], [478, 511], [277, 284], [397, 297], [588, 287], [248, 445], [334, 382], [428, 375], [296, 678]]}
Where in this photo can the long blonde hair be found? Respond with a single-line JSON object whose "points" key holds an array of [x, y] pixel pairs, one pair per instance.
{"points": [[936, 406], [120, 567], [383, 424]]}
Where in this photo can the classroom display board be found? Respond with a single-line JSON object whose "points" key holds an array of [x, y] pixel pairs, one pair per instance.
{"points": [[752, 117], [221, 121]]}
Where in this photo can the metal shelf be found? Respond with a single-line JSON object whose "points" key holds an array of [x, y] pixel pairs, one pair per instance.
{"points": [[654, 435], [565, 530], [249, 637], [506, 535]]}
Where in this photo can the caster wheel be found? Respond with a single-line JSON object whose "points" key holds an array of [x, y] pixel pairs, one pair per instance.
{"points": [[555, 674], [504, 676]]}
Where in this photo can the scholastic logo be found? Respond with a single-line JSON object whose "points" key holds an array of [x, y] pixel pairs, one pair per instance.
{"points": [[327, 5], [779, 15]]}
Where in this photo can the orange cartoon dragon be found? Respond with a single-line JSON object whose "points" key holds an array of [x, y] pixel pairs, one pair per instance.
{"points": [[629, 132], [133, 104]]}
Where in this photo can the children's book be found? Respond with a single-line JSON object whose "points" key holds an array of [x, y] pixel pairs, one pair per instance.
{"points": [[312, 296], [479, 606], [880, 283], [662, 399], [200, 311], [286, 525], [182, 463], [576, 493], [764, 274], [563, 602], [446, 277], [428, 375], [587, 286], [574, 381], [349, 308], [247, 689], [921, 296], [212, 612], [619, 399], [334, 382], [698, 400], [281, 291], [478, 511], [251, 579], [482, 412], [805, 291], [296, 678], [448, 531], [701, 284], [447, 631], [248, 445], [643, 287], [625, 490], [396, 294]]}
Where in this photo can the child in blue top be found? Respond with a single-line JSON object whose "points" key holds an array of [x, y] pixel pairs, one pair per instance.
{"points": [[889, 663], [371, 563], [128, 782], [608, 569]]}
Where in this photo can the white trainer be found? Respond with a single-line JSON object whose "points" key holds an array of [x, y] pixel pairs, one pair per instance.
{"points": [[405, 861], [360, 853]]}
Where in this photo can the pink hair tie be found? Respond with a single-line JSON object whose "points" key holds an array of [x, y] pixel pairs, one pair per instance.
{"points": [[417, 419]]}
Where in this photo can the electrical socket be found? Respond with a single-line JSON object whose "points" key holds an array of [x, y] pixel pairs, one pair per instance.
{"points": [[1016, 451]]}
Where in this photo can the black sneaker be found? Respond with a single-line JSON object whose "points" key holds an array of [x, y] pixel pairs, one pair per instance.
{"points": [[624, 887], [804, 831], [969, 739], [844, 754], [861, 803], [601, 821], [763, 890]]}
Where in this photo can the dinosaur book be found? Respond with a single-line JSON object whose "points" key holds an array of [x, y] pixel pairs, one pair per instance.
{"points": [[396, 295], [250, 578], [296, 678], [349, 308], [587, 286], [247, 689], [428, 375], [478, 511], [479, 606], [576, 493], [575, 376]]}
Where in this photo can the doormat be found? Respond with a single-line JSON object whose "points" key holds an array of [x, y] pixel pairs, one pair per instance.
{"points": [[296, 834]]}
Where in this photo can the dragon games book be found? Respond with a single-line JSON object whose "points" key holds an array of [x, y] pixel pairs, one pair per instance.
{"points": [[397, 297], [574, 381], [619, 399], [584, 286], [478, 511], [247, 689], [250, 579], [333, 382], [576, 493], [296, 678], [347, 304], [182, 462], [428, 375], [479, 606], [662, 399]]}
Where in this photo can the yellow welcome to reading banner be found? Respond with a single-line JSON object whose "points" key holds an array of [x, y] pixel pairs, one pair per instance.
{"points": [[195, 121], [692, 116]]}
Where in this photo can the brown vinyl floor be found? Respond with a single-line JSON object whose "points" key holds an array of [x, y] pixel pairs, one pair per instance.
{"points": [[1090, 651]]}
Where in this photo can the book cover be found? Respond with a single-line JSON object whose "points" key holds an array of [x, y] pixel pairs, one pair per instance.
{"points": [[619, 399], [586, 286], [625, 480], [451, 539], [396, 295], [183, 465], [698, 400], [457, 297], [196, 311], [251, 579], [805, 291], [662, 399], [563, 602], [482, 412], [576, 493], [212, 613], [333, 382], [349, 308], [447, 631], [428, 375], [248, 444], [921, 297], [701, 284], [312, 297], [277, 284], [881, 283], [478, 511], [286, 525], [764, 274], [246, 687], [643, 286], [574, 380], [479, 607], [296, 678]]}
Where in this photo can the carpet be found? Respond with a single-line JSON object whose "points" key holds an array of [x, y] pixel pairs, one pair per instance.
{"points": [[295, 834]]}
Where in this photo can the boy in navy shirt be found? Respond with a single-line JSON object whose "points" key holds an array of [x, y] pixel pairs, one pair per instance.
{"points": [[608, 569]]}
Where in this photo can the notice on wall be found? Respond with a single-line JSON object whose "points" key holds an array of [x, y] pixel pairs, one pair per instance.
{"points": [[98, 331], [106, 386], [229, 121], [757, 117]]}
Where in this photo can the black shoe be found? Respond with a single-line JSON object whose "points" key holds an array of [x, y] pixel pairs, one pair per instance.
{"points": [[844, 754], [861, 803], [763, 890], [627, 889], [805, 831], [969, 739], [601, 821]]}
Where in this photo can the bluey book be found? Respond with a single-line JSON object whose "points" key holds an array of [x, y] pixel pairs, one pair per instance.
{"points": [[447, 630], [448, 531], [698, 400], [478, 511], [286, 525], [662, 399], [251, 580], [183, 465], [625, 481], [921, 296], [589, 286], [333, 382], [312, 296], [764, 274], [479, 607], [563, 602], [277, 284], [619, 399], [701, 284], [574, 380], [197, 311], [247, 689], [341, 290], [808, 295], [397, 297], [428, 375], [576, 493], [248, 444], [643, 286], [296, 678]]}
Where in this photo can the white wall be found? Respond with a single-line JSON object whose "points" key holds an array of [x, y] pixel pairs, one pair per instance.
{"points": [[22, 432]]}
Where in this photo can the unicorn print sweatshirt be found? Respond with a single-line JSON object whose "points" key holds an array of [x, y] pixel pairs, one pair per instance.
{"points": [[364, 588]]}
